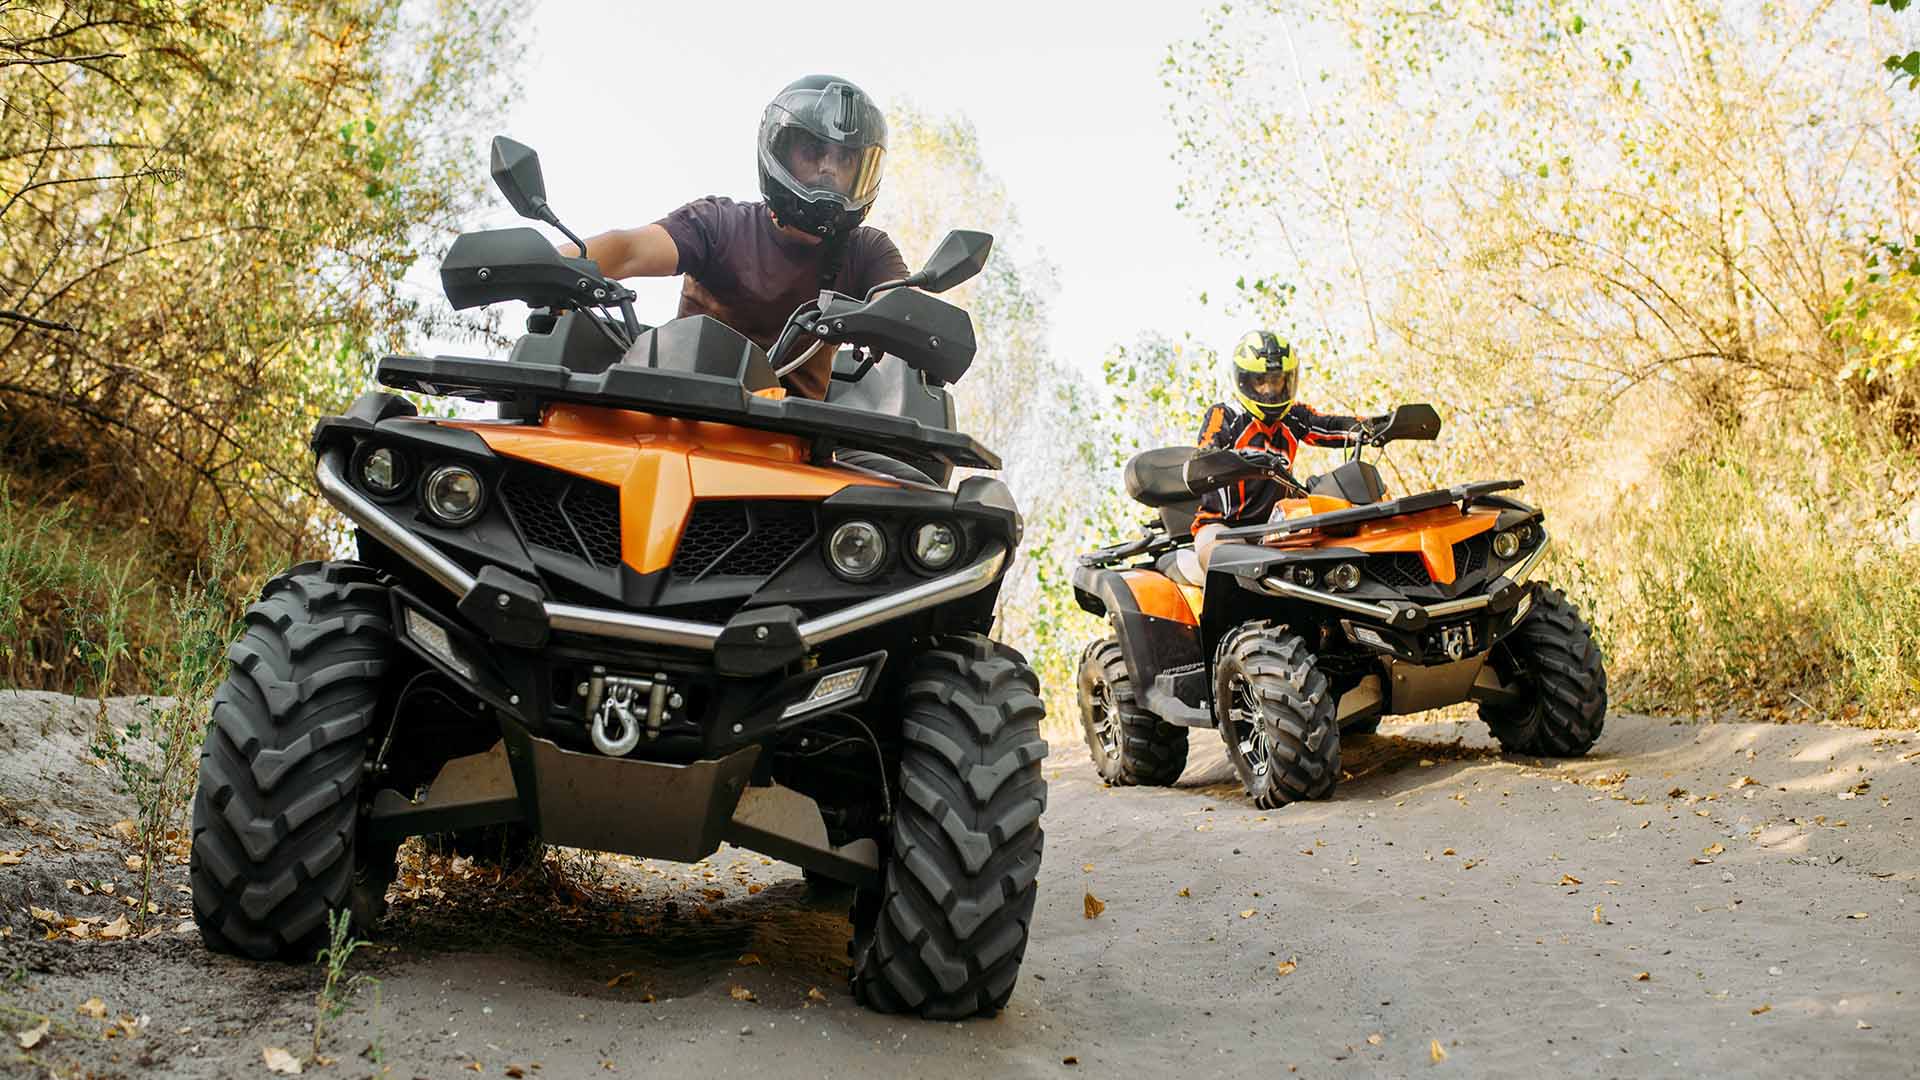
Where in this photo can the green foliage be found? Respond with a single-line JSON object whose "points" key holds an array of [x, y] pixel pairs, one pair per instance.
{"points": [[337, 988], [204, 216]]}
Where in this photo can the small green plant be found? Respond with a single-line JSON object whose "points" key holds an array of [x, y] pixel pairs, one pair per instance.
{"points": [[338, 988]]}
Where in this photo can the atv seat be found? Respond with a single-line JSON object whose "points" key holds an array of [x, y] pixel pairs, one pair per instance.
{"points": [[1182, 567], [1177, 518]]}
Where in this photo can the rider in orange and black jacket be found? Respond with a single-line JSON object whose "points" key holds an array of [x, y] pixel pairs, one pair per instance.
{"points": [[1268, 426]]}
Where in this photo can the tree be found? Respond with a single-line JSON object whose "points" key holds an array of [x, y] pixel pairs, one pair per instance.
{"points": [[203, 215]]}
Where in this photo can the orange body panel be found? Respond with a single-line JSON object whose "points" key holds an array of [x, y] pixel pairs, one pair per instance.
{"points": [[663, 465], [1158, 596], [1432, 533]]}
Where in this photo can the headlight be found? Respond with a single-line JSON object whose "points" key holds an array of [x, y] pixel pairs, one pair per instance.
{"points": [[1507, 544], [935, 545], [857, 549], [1303, 575], [1343, 577], [383, 471], [453, 494]]}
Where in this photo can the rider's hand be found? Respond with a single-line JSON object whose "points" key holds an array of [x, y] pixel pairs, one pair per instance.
{"points": [[1265, 459]]}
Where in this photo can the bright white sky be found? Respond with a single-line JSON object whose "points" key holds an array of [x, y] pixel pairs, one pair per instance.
{"points": [[637, 108]]}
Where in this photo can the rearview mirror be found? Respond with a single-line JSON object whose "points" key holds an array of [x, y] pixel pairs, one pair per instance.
{"points": [[1411, 422], [516, 172], [960, 256]]}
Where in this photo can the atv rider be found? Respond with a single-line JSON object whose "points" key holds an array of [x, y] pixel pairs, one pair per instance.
{"points": [[1267, 429], [750, 264]]}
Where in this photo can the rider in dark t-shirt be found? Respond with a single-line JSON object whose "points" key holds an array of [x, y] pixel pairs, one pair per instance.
{"points": [[749, 265]]}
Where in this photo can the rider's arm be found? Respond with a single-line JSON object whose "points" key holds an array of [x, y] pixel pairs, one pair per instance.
{"points": [[1324, 429], [1215, 506], [623, 253]]}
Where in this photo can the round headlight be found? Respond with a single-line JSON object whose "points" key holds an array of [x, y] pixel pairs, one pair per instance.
{"points": [[1303, 575], [935, 545], [1343, 577], [856, 549], [383, 472], [453, 494], [1506, 544]]}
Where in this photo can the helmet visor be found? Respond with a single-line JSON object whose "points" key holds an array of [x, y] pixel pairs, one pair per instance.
{"points": [[1270, 387], [827, 143]]}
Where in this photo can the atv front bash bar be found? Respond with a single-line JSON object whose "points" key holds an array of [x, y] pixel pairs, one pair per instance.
{"points": [[755, 626], [1410, 615]]}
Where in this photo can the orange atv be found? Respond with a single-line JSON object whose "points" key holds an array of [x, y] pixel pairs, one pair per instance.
{"points": [[1345, 607], [655, 606]]}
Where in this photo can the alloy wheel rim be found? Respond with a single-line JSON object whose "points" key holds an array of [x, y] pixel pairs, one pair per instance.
{"points": [[1249, 734], [1105, 728]]}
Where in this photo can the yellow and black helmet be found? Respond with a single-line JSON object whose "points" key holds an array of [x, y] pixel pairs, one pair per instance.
{"points": [[1265, 374]]}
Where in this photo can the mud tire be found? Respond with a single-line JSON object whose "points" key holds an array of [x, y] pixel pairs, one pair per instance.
{"points": [[1553, 655], [276, 813], [944, 935], [1291, 701], [1150, 752]]}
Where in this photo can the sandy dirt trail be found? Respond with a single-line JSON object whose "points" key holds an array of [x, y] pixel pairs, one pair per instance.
{"points": [[1723, 899]]}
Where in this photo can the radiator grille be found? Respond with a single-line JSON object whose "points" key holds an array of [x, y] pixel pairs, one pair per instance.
{"points": [[742, 539], [566, 514]]}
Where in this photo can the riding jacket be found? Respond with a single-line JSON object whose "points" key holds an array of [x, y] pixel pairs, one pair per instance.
{"points": [[1227, 428]]}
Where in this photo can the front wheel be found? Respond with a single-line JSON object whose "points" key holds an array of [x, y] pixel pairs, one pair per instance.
{"points": [[1129, 745], [275, 816], [1276, 713], [1552, 660], [944, 936]]}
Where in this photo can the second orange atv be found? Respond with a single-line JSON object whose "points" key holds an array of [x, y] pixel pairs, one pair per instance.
{"points": [[1345, 607]]}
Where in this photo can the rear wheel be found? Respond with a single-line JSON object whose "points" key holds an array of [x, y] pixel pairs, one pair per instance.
{"points": [[1276, 713], [945, 934], [1130, 746], [275, 816], [1552, 660]]}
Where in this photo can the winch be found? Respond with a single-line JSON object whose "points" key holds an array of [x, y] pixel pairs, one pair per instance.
{"points": [[621, 707]]}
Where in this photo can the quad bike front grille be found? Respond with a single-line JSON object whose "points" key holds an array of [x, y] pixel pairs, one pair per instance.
{"points": [[730, 538], [566, 514], [1407, 570]]}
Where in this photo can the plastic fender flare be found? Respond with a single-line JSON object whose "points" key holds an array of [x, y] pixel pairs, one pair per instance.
{"points": [[1150, 616]]}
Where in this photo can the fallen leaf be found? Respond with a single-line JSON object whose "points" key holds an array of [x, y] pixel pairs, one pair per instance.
{"points": [[31, 1037], [12, 858], [1677, 793], [1070, 1060], [1599, 916], [1375, 1039], [1248, 914], [278, 1060], [41, 914], [1436, 1051], [93, 1007], [621, 979], [1858, 915], [126, 830], [1713, 849], [1086, 868], [714, 894], [1862, 1025], [1449, 851], [814, 994], [1287, 966], [1425, 762], [1094, 906], [754, 889], [1470, 864], [516, 1072], [1761, 1009], [472, 1066], [741, 993], [1745, 781], [116, 929], [1569, 879], [1643, 976], [749, 959], [1185, 892]]}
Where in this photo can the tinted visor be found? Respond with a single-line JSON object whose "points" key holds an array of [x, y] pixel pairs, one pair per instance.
{"points": [[1270, 387]]}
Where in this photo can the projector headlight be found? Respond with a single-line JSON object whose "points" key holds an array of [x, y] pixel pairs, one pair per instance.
{"points": [[454, 494], [1343, 577], [383, 472], [1507, 544], [935, 545], [857, 549]]}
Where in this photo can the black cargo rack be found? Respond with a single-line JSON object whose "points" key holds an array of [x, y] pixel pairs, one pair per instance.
{"points": [[682, 394]]}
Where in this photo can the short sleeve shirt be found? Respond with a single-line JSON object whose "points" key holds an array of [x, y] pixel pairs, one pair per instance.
{"points": [[742, 270]]}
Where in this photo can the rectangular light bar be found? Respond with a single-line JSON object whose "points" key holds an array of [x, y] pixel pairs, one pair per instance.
{"points": [[432, 637], [829, 690]]}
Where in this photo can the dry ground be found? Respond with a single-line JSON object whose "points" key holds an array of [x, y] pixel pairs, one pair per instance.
{"points": [[1724, 899]]}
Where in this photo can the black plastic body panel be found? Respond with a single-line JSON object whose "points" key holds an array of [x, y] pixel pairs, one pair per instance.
{"points": [[1149, 645]]}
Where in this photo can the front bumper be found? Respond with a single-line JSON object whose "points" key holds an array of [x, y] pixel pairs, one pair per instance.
{"points": [[751, 643], [1500, 594]]}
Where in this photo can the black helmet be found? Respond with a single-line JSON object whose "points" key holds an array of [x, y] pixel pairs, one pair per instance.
{"points": [[1266, 373], [822, 141]]}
